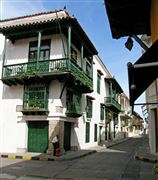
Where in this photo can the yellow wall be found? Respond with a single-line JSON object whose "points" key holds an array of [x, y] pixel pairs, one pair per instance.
{"points": [[154, 20]]}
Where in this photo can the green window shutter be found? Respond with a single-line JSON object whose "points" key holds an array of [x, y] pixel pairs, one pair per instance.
{"points": [[98, 83], [102, 110], [89, 108], [87, 132], [88, 69], [95, 132]]}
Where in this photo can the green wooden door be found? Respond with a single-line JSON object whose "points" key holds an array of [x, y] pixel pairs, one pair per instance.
{"points": [[67, 136], [37, 136]]}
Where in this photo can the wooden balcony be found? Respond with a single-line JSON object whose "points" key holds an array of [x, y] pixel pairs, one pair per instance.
{"points": [[47, 70], [73, 110], [112, 104], [35, 101]]}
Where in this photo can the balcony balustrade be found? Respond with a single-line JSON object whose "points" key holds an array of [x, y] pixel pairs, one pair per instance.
{"points": [[73, 110], [18, 73], [112, 103]]}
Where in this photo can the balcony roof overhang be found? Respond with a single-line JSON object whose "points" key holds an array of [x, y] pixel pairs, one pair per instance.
{"points": [[14, 30], [143, 72], [113, 81], [128, 17]]}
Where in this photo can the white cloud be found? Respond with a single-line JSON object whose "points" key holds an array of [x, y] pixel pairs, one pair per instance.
{"points": [[10, 9]]}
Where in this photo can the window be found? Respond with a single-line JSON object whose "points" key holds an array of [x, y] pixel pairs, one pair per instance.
{"points": [[89, 108], [73, 101], [95, 132], [98, 82], [88, 69], [36, 97], [115, 119], [44, 50], [102, 112], [73, 54], [87, 132]]}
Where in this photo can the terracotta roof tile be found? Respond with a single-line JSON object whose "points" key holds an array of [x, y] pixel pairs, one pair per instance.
{"points": [[34, 18]]}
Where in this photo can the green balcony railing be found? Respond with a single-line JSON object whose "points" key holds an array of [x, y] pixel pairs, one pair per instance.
{"points": [[31, 68], [47, 68], [111, 102]]}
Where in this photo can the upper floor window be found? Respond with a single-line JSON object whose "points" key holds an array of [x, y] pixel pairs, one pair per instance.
{"points": [[44, 50], [98, 82], [88, 69], [89, 108], [102, 112], [73, 54]]}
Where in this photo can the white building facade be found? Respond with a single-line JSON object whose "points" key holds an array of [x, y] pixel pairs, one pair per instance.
{"points": [[53, 83]]}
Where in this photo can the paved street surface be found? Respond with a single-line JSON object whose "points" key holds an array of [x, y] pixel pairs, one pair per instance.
{"points": [[115, 163]]}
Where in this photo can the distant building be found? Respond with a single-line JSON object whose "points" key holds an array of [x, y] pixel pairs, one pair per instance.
{"points": [[125, 115]]}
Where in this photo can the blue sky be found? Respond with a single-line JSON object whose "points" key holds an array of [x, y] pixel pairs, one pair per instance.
{"points": [[92, 16]]}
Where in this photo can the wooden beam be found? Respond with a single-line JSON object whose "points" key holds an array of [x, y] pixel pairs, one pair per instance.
{"points": [[39, 48]]}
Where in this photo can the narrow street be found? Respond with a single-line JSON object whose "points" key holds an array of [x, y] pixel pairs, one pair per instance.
{"points": [[115, 163]]}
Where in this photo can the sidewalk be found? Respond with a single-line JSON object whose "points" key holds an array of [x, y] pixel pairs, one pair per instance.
{"points": [[69, 155], [144, 154]]}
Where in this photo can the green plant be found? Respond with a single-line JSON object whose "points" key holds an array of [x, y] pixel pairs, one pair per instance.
{"points": [[35, 103], [155, 168]]}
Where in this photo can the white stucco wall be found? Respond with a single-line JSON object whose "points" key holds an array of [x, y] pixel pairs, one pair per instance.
{"points": [[13, 134], [80, 129]]}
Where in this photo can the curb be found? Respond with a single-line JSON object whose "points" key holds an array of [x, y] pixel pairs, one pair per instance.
{"points": [[82, 155], [45, 158], [75, 157], [142, 158], [119, 142], [26, 157]]}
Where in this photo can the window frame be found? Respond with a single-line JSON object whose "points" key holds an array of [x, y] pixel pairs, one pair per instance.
{"points": [[98, 82], [89, 108], [102, 112], [87, 134], [45, 47]]}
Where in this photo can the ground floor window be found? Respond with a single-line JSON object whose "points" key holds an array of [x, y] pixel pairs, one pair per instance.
{"points": [[87, 132], [95, 132]]}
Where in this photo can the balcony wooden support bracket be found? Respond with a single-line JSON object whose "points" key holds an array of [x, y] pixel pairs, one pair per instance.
{"points": [[5, 81]]}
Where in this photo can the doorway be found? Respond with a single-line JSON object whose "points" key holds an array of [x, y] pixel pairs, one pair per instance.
{"points": [[67, 136], [37, 136]]}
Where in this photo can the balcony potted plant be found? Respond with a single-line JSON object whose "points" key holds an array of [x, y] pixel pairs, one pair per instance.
{"points": [[35, 103]]}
